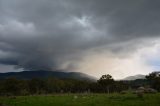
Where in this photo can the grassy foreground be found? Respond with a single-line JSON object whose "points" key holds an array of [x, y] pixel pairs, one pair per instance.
{"points": [[83, 100]]}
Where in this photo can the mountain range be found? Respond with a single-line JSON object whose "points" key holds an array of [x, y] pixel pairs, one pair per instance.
{"points": [[57, 74], [138, 76], [46, 74]]}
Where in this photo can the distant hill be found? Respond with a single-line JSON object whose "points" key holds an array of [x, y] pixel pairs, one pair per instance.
{"points": [[45, 74], [139, 76]]}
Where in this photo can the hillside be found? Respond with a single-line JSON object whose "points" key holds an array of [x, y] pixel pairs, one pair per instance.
{"points": [[139, 76], [45, 74]]}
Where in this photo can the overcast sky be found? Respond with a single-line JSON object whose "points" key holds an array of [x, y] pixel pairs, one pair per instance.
{"points": [[117, 37]]}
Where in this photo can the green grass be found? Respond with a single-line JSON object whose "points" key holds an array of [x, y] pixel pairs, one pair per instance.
{"points": [[83, 100]]}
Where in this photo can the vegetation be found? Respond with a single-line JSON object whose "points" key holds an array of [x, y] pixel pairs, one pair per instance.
{"points": [[14, 86], [154, 80], [106, 84], [72, 92]]}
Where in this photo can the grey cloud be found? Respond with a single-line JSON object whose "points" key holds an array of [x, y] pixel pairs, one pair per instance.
{"points": [[43, 34]]}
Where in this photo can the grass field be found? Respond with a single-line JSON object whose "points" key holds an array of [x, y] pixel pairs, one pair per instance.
{"points": [[83, 100]]}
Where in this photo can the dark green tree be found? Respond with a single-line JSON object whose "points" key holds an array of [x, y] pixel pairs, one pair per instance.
{"points": [[36, 86], [11, 86], [154, 80], [106, 81]]}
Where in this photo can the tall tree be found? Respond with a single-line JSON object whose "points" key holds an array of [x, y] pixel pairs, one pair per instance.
{"points": [[154, 80], [106, 81]]}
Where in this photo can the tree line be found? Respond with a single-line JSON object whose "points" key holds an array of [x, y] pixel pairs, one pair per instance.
{"points": [[106, 84]]}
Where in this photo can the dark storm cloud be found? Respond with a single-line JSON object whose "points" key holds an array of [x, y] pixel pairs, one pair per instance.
{"points": [[43, 34]]}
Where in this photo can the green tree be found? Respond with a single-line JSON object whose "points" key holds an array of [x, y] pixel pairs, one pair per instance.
{"points": [[154, 80], [106, 81], [11, 86], [36, 86]]}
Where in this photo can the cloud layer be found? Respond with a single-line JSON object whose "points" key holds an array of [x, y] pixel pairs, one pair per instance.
{"points": [[64, 34]]}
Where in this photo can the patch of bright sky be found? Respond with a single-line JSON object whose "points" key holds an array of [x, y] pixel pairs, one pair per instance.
{"points": [[9, 68], [143, 61], [153, 58], [15, 26]]}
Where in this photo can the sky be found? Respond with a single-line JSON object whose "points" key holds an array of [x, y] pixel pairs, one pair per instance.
{"points": [[96, 37]]}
